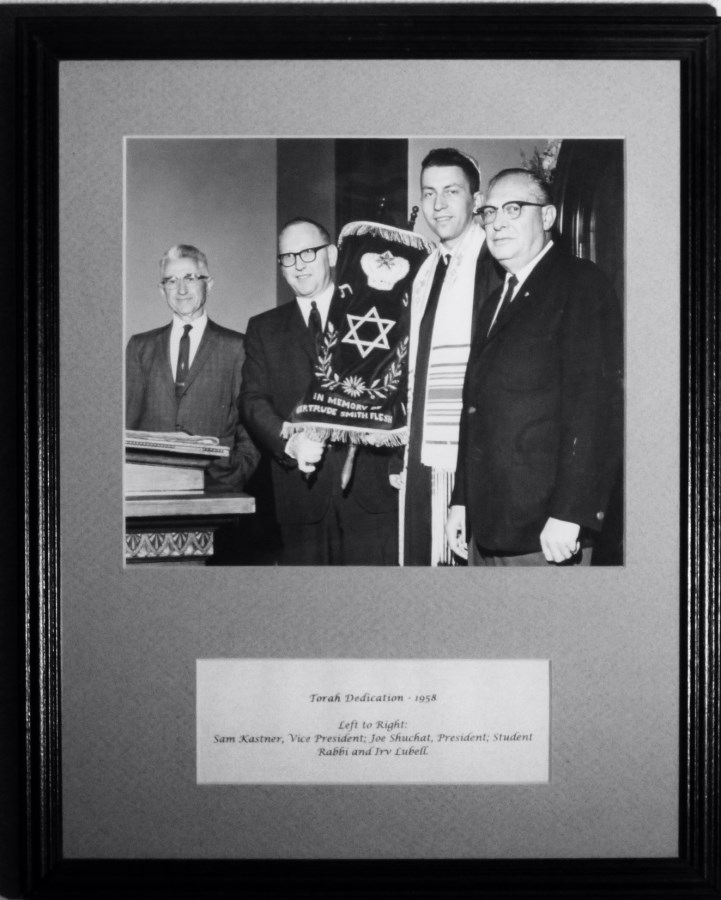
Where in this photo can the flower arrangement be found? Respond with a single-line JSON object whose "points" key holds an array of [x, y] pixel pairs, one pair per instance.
{"points": [[543, 163]]}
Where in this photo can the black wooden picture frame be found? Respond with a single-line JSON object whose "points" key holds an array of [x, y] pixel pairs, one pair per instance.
{"points": [[35, 38]]}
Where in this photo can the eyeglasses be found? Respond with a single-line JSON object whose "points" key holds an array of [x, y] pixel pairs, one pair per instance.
{"points": [[512, 209], [308, 255], [172, 281]]}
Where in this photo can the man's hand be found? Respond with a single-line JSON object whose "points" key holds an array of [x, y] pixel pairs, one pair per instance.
{"points": [[396, 480], [559, 540], [456, 531], [305, 451]]}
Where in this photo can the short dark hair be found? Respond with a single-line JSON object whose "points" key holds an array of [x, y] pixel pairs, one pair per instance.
{"points": [[449, 156], [303, 220], [541, 188]]}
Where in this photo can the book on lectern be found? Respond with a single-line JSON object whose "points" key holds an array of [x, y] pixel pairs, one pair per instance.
{"points": [[159, 462]]}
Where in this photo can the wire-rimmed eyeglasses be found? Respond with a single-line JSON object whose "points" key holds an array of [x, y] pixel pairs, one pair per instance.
{"points": [[172, 281], [308, 255]]}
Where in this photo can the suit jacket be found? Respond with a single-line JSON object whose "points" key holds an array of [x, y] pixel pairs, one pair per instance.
{"points": [[489, 277], [208, 405], [542, 414], [279, 361]]}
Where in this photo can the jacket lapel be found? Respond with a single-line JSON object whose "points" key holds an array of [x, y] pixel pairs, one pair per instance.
{"points": [[295, 333], [489, 276], [485, 316], [510, 308], [165, 367], [525, 294]]}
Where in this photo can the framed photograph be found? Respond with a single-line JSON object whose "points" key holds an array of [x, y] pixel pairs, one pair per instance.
{"points": [[166, 708], [343, 184]]}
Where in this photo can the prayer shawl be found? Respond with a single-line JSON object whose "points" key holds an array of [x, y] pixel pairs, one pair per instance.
{"points": [[450, 347], [359, 385]]}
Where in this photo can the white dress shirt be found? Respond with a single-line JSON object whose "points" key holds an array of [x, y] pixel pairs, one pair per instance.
{"points": [[322, 301], [195, 334]]}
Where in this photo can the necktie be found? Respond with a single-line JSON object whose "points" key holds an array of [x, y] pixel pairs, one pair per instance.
{"points": [[315, 325], [425, 336], [429, 313], [181, 372], [507, 295]]}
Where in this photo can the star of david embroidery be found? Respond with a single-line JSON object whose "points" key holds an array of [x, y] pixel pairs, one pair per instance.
{"points": [[371, 318]]}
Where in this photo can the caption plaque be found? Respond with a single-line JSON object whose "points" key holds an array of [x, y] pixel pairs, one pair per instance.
{"points": [[373, 721]]}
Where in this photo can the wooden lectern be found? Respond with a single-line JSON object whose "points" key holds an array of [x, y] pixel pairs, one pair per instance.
{"points": [[169, 517]]}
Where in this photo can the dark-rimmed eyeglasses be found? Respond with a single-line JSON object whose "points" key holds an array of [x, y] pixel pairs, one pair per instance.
{"points": [[308, 255], [172, 281], [512, 209]]}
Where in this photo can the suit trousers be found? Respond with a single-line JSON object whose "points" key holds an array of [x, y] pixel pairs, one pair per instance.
{"points": [[480, 557], [346, 535]]}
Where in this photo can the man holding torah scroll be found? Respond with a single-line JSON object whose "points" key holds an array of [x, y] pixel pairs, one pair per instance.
{"points": [[325, 373]]}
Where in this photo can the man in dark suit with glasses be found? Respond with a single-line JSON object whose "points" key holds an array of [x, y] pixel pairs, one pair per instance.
{"points": [[540, 434], [320, 523], [185, 376]]}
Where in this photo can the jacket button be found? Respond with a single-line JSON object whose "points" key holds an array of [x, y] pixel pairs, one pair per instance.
{"points": [[599, 516], [471, 410]]}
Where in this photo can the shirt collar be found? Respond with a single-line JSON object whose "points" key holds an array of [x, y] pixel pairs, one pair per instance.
{"points": [[198, 324], [449, 252], [322, 301]]}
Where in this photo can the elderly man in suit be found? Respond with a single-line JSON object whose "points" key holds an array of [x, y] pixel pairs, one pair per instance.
{"points": [[186, 375], [541, 425], [320, 523]]}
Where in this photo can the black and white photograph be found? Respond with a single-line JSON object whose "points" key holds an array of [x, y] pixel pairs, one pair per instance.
{"points": [[448, 409], [321, 308]]}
